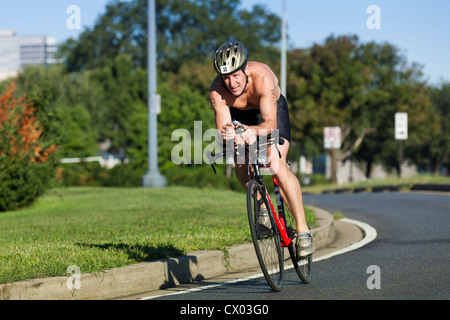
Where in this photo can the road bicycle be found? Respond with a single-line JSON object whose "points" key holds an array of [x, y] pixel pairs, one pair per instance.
{"points": [[269, 237]]}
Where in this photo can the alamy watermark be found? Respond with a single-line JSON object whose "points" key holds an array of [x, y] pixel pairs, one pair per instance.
{"points": [[73, 22], [374, 281], [374, 20], [74, 280], [189, 149]]}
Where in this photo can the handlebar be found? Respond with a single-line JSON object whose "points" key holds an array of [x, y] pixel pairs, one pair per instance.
{"points": [[239, 129]]}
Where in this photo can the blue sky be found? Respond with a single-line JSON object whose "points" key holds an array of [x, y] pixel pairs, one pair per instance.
{"points": [[419, 28]]}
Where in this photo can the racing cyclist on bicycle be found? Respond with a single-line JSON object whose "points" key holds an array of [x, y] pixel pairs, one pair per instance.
{"points": [[249, 93]]}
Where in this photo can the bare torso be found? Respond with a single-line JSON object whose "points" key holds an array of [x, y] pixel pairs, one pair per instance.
{"points": [[260, 93]]}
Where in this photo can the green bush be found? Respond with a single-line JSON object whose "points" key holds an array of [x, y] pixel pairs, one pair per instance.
{"points": [[22, 182], [202, 176], [123, 175], [27, 162], [128, 176], [93, 175], [80, 174], [318, 179]]}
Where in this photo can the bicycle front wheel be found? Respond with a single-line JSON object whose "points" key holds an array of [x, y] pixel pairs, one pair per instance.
{"points": [[265, 235]]}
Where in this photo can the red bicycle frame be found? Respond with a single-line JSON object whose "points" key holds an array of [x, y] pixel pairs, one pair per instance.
{"points": [[279, 216]]}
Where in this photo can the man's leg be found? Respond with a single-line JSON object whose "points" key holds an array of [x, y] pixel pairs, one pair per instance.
{"points": [[242, 174], [289, 186], [292, 194]]}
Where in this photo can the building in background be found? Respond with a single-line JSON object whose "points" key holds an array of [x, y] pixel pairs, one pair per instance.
{"points": [[16, 52]]}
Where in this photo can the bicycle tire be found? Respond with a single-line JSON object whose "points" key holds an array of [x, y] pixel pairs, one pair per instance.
{"points": [[265, 240], [302, 265]]}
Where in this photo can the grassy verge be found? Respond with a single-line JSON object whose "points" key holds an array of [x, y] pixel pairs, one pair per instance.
{"points": [[101, 228], [406, 183]]}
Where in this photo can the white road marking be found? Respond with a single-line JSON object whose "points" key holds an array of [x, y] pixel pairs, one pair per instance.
{"points": [[370, 235]]}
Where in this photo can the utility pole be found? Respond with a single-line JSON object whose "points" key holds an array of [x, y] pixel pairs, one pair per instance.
{"points": [[152, 179], [283, 52]]}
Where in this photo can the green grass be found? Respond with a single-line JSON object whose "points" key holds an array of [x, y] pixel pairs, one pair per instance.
{"points": [[407, 183], [101, 228], [337, 215]]}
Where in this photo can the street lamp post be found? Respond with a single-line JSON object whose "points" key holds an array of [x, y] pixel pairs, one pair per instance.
{"points": [[283, 52], [152, 179]]}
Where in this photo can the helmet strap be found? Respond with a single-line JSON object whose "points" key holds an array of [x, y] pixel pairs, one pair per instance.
{"points": [[246, 83]]}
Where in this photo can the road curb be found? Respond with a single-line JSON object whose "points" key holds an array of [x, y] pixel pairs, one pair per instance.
{"points": [[431, 187], [153, 275], [436, 187]]}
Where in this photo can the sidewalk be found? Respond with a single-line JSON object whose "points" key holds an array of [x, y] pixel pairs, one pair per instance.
{"points": [[156, 275]]}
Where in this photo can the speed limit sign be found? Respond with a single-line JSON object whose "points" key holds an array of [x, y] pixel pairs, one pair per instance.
{"points": [[332, 138]]}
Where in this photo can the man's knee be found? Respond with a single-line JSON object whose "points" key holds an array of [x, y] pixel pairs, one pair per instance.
{"points": [[280, 170], [282, 173], [242, 174]]}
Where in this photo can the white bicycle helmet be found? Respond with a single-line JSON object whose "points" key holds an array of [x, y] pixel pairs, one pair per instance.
{"points": [[230, 57]]}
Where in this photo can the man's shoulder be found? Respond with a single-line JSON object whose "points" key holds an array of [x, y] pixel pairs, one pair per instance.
{"points": [[260, 67], [263, 77], [217, 90], [217, 94], [216, 85]]}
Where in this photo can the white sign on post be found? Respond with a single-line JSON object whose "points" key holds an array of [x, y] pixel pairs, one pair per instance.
{"points": [[332, 138], [401, 126]]}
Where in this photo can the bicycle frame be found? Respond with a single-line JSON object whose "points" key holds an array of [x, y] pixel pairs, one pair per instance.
{"points": [[279, 216]]}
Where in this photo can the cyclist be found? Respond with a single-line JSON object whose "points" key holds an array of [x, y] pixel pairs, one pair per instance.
{"points": [[249, 93]]}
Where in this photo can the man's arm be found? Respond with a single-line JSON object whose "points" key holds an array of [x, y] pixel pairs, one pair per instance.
{"points": [[221, 112]]}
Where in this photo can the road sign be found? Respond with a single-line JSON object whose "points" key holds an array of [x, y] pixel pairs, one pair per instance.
{"points": [[401, 126], [332, 138]]}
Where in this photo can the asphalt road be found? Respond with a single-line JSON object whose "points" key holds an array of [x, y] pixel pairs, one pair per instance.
{"points": [[411, 255]]}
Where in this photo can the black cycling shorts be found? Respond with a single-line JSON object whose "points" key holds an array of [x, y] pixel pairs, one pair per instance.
{"points": [[254, 118]]}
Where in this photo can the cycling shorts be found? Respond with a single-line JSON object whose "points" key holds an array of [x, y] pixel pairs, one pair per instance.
{"points": [[254, 118]]}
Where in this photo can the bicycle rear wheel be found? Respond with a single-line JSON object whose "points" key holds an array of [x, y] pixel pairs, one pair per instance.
{"points": [[266, 238], [302, 265]]}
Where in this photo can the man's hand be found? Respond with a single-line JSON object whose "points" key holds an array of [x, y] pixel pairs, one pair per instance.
{"points": [[228, 132], [247, 137]]}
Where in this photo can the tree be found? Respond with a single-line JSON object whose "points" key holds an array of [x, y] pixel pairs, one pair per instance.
{"points": [[358, 87], [438, 150], [26, 158], [123, 93], [188, 31], [331, 93], [66, 105], [393, 86], [114, 54]]}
